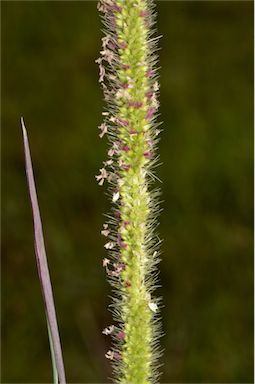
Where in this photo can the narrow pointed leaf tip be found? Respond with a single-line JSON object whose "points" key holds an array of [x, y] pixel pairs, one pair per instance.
{"points": [[42, 265]]}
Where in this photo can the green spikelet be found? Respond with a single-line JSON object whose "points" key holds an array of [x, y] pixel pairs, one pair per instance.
{"points": [[128, 78]]}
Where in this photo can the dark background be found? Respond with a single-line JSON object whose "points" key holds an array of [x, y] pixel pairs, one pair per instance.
{"points": [[49, 76]]}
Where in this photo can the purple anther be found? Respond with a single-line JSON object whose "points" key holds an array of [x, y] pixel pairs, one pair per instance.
{"points": [[149, 73], [119, 239], [124, 85], [120, 335], [125, 148], [126, 167], [112, 23], [117, 144], [122, 122], [120, 242], [117, 214], [112, 44], [132, 131], [115, 8], [127, 284], [117, 356], [119, 267], [144, 13], [149, 142], [125, 66], [135, 104], [148, 154], [150, 113], [149, 94], [122, 45]]}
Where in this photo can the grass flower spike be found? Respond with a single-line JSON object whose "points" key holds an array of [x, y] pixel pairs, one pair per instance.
{"points": [[128, 77]]}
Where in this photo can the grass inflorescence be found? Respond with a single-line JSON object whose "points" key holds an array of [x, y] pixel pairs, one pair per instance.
{"points": [[128, 75]]}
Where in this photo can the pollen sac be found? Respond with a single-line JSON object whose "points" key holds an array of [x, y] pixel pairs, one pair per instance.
{"points": [[132, 131], [125, 148], [127, 284], [109, 355], [108, 330], [125, 85], [105, 231], [150, 113], [109, 245], [149, 94], [122, 122], [148, 154], [105, 262], [122, 45], [153, 307], [111, 152], [103, 129], [108, 162], [119, 267], [135, 104], [115, 197], [125, 66], [115, 8], [101, 70], [117, 214], [149, 73], [117, 356], [144, 13], [120, 335], [123, 245], [103, 175], [126, 167], [156, 86]]}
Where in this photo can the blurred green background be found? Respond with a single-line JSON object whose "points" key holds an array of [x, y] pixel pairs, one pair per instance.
{"points": [[49, 76]]}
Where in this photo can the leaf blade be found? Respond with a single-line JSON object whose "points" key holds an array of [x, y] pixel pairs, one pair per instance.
{"points": [[42, 264]]}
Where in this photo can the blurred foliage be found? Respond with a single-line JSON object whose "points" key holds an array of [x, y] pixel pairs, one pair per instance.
{"points": [[50, 77]]}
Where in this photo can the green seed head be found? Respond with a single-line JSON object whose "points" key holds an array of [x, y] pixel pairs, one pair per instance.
{"points": [[129, 80]]}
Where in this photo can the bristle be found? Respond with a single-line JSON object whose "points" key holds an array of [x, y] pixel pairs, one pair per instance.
{"points": [[129, 79]]}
